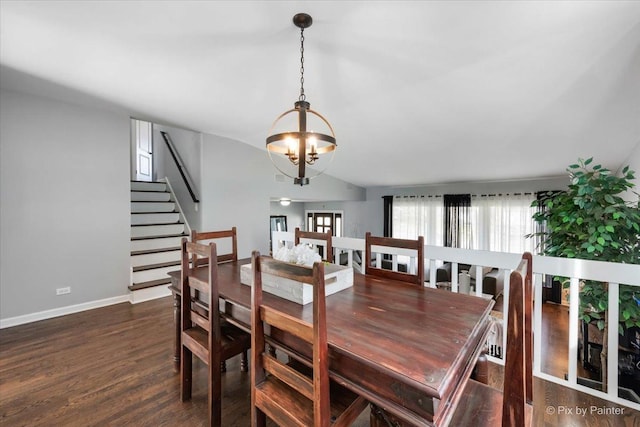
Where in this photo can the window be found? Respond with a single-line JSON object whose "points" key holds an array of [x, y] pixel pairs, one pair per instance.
{"points": [[500, 222], [419, 216], [494, 222]]}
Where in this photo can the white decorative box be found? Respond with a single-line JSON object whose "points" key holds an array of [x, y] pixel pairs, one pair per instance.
{"points": [[336, 278]]}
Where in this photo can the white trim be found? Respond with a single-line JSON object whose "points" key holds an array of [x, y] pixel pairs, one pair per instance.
{"points": [[537, 322], [574, 311], [62, 311], [613, 340], [175, 200]]}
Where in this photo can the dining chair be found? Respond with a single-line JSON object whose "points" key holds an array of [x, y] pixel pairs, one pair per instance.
{"points": [[300, 392], [394, 247], [481, 405], [217, 237], [312, 235], [229, 238], [207, 337]]}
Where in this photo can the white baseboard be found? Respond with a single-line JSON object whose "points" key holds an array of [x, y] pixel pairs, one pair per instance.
{"points": [[62, 311]]}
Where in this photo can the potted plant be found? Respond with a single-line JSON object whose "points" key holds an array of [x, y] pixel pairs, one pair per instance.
{"points": [[592, 221]]}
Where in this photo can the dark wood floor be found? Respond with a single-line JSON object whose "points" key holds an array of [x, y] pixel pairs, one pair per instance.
{"points": [[112, 367]]}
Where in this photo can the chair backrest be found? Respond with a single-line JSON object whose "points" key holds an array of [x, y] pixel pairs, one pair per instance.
{"points": [[518, 389], [206, 236], [312, 235], [193, 313], [316, 390], [387, 245]]}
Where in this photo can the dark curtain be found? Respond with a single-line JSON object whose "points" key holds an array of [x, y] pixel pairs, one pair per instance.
{"points": [[388, 216], [457, 221]]}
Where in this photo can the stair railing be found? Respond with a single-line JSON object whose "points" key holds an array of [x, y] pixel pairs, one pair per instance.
{"points": [[181, 168]]}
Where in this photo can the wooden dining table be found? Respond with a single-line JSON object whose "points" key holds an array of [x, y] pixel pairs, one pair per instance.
{"points": [[408, 349]]}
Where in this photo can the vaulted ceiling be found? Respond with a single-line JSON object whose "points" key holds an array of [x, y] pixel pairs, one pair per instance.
{"points": [[418, 92]]}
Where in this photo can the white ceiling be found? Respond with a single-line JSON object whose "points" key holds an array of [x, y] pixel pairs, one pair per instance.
{"points": [[418, 92]]}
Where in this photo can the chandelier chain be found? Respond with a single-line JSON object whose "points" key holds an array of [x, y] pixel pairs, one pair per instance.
{"points": [[302, 95]]}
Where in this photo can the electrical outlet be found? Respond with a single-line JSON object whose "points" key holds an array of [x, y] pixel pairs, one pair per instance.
{"points": [[62, 291]]}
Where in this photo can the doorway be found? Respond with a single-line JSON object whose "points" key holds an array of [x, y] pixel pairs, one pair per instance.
{"points": [[325, 221], [143, 144]]}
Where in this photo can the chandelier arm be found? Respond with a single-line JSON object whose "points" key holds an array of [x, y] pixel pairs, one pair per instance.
{"points": [[302, 141]]}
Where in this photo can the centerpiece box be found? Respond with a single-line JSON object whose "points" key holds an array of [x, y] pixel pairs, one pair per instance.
{"points": [[336, 278]]}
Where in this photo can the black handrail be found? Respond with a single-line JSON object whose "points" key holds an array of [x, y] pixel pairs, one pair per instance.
{"points": [[181, 168]]}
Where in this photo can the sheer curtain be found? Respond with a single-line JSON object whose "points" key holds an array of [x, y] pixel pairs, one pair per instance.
{"points": [[419, 216], [500, 222]]}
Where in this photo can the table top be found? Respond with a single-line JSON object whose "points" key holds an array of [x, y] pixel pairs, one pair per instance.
{"points": [[423, 338]]}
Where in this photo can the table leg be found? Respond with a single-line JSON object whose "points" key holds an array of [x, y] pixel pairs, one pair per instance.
{"points": [[177, 314], [481, 370]]}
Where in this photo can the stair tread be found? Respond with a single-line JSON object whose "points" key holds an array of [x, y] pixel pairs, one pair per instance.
{"points": [[154, 266], [152, 213], [158, 223], [149, 284], [150, 191], [153, 201], [155, 251], [148, 182], [160, 236]]}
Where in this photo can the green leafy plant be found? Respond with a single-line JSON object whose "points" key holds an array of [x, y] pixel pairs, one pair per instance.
{"points": [[592, 221]]}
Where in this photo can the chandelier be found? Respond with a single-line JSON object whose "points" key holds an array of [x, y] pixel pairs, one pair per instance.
{"points": [[301, 137]]}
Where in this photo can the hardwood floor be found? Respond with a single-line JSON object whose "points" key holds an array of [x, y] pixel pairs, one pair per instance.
{"points": [[113, 367], [108, 367]]}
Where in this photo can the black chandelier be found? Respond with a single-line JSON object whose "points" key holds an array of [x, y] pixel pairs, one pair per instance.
{"points": [[294, 141]]}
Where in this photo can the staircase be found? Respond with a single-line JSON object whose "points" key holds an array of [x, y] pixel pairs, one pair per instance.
{"points": [[157, 227]]}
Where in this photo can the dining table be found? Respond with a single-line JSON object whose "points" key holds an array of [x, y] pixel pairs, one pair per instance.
{"points": [[407, 349]]}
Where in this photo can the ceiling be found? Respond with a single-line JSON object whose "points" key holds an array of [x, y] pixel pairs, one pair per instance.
{"points": [[417, 92]]}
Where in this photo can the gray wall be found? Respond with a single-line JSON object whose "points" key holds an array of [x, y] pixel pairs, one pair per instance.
{"points": [[238, 182], [634, 164], [64, 203], [294, 213]]}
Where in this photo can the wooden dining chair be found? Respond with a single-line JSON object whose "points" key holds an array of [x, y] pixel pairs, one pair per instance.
{"points": [[287, 395], [481, 405], [216, 237], [388, 245], [230, 239], [208, 338], [312, 235]]}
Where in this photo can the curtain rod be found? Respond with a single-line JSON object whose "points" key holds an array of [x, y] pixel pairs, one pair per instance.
{"points": [[415, 196]]}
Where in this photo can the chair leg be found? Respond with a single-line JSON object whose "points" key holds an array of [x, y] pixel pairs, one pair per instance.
{"points": [[244, 363], [185, 374], [258, 419], [215, 398]]}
